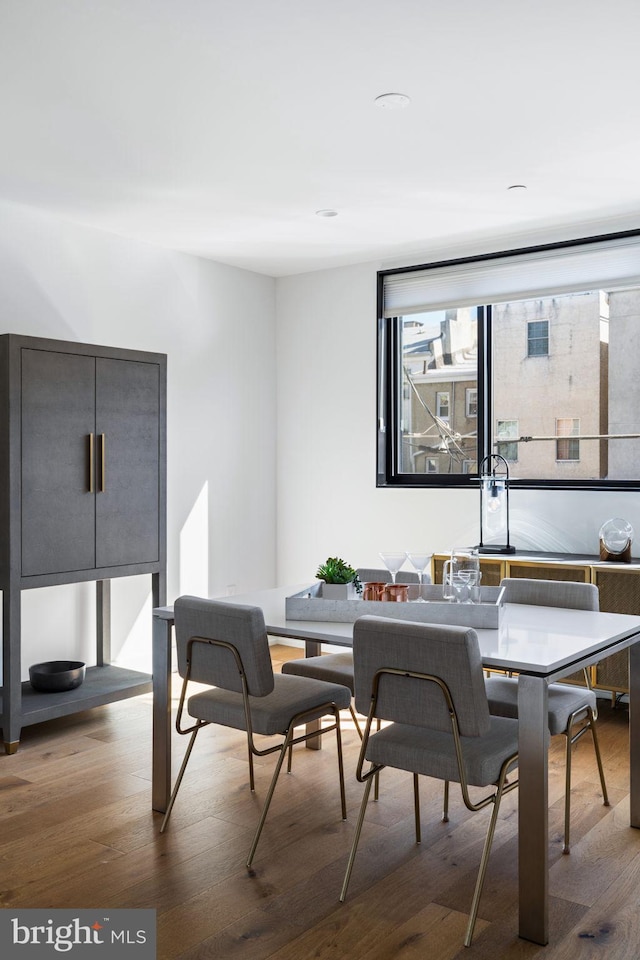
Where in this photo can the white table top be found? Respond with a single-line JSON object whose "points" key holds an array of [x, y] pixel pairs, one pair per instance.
{"points": [[546, 641]]}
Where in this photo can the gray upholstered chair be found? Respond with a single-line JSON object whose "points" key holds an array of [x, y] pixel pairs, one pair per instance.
{"points": [[330, 667], [225, 646], [572, 710], [427, 682], [338, 667], [383, 576]]}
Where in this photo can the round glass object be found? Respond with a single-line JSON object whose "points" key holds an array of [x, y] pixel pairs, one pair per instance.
{"points": [[616, 534]]}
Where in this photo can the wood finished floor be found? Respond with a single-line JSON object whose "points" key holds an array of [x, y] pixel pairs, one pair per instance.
{"points": [[77, 831]]}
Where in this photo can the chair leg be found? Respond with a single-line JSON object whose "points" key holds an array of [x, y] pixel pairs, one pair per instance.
{"points": [[376, 792], [269, 797], [567, 794], [174, 792], [252, 782], [355, 720], [484, 860], [445, 803], [596, 747], [343, 798], [284, 751], [568, 755], [356, 839], [416, 807]]}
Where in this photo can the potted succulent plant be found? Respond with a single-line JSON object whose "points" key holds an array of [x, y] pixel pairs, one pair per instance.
{"points": [[340, 581]]}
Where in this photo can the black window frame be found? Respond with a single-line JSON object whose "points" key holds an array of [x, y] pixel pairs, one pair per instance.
{"points": [[389, 376]]}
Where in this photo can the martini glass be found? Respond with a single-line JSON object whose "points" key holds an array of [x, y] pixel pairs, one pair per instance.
{"points": [[419, 562], [393, 562]]}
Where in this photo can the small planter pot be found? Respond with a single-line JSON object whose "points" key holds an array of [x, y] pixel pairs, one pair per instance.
{"points": [[339, 591]]}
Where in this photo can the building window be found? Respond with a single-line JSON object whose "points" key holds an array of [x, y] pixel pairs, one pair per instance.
{"points": [[455, 385], [507, 430], [568, 448], [538, 338], [436, 372], [442, 405]]}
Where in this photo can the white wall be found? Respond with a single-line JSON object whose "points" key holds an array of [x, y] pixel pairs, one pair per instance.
{"points": [[217, 325], [227, 489], [328, 503]]}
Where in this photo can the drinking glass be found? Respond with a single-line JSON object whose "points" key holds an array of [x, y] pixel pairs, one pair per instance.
{"points": [[454, 587], [460, 589], [475, 591], [419, 562], [393, 562], [468, 580], [448, 593], [461, 574]]}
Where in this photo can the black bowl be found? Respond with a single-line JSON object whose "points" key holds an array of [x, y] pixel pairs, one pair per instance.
{"points": [[55, 676]]}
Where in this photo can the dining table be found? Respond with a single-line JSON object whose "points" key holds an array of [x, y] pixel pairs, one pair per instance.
{"points": [[539, 644]]}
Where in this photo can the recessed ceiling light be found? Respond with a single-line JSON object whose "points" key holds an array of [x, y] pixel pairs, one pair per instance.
{"points": [[517, 186], [392, 101], [326, 213]]}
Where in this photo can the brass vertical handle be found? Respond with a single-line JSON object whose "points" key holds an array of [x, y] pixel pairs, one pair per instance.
{"points": [[90, 463], [103, 451]]}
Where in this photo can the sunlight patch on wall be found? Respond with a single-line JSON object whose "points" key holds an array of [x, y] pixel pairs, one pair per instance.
{"points": [[194, 548], [135, 653]]}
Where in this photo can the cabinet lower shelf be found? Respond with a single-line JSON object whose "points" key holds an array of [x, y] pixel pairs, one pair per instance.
{"points": [[101, 685]]}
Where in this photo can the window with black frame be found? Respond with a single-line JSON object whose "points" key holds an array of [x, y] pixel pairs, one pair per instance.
{"points": [[531, 355]]}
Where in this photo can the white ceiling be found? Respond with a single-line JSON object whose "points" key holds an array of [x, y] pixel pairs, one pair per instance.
{"points": [[219, 127]]}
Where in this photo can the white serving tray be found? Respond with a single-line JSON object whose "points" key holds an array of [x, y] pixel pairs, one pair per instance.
{"points": [[309, 604]]}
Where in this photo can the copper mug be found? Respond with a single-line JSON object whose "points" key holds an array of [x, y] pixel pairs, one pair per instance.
{"points": [[397, 592], [373, 590]]}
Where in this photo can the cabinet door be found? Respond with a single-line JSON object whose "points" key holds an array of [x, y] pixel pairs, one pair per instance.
{"points": [[58, 417], [127, 439], [492, 569], [539, 570], [619, 590]]}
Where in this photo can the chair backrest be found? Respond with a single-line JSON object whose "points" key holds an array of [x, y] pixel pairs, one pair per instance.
{"points": [[383, 576], [450, 653], [551, 593], [237, 624]]}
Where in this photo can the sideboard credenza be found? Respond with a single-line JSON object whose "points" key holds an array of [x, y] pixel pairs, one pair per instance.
{"points": [[618, 585]]}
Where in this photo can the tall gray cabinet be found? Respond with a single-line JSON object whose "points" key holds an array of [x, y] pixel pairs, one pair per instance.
{"points": [[82, 498]]}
